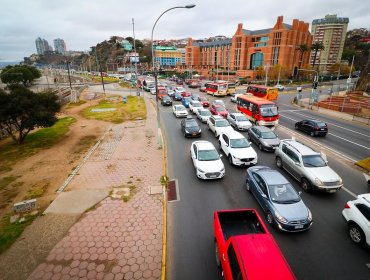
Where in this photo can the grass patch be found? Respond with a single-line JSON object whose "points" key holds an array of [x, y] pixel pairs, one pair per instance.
{"points": [[10, 153], [132, 193], [97, 79], [71, 104], [10, 232], [364, 163], [36, 191], [84, 144], [6, 181], [130, 111]]}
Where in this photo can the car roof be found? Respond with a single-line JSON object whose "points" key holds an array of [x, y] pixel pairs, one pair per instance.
{"points": [[233, 134], [364, 198], [204, 145], [262, 128], [300, 147], [272, 176], [313, 120], [216, 117], [237, 114], [179, 105]]}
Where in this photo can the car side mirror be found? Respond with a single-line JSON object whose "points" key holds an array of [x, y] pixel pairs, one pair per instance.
{"points": [[250, 143], [227, 145], [220, 156]]}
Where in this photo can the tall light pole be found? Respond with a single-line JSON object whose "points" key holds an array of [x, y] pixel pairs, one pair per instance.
{"points": [[153, 58]]}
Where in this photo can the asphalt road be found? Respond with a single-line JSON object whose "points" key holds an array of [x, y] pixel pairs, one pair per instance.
{"points": [[323, 252]]}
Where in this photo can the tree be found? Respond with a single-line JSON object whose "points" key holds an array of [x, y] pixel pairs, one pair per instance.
{"points": [[317, 46], [19, 74], [23, 110], [364, 80], [302, 49]]}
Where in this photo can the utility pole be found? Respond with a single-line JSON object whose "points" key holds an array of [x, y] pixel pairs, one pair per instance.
{"points": [[99, 68], [133, 31]]}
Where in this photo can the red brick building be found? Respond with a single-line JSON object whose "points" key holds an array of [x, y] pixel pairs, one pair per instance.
{"points": [[248, 50]]}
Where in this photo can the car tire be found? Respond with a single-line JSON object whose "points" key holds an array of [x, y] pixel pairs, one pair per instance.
{"points": [[260, 146], [230, 160], [269, 218], [305, 185], [312, 133], [356, 234], [279, 162], [216, 134], [217, 255]]}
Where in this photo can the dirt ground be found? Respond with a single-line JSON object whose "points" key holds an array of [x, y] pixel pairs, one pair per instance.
{"points": [[51, 167]]}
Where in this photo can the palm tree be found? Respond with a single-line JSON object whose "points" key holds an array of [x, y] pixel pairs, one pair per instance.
{"points": [[317, 46], [302, 50]]}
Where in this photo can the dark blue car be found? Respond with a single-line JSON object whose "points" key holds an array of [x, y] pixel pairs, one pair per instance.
{"points": [[185, 101], [281, 203], [177, 97]]}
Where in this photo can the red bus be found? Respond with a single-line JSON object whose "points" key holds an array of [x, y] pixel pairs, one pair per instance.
{"points": [[258, 110], [216, 89], [269, 93]]}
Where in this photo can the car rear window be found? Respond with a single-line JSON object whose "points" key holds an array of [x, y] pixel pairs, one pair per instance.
{"points": [[321, 124]]}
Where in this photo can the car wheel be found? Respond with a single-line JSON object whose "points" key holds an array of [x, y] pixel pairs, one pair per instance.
{"points": [[260, 146], [216, 134], [312, 133], [270, 218], [217, 255], [230, 160], [296, 127], [279, 162], [356, 234], [305, 185]]}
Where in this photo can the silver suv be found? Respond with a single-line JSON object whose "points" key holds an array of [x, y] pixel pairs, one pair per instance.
{"points": [[307, 166]]}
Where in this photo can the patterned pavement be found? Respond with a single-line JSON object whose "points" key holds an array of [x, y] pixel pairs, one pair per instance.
{"points": [[116, 239]]}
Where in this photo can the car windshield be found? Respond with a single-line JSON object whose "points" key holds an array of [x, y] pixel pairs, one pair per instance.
{"points": [[321, 124], [196, 104], [241, 118], [180, 89], [180, 108], [268, 135], [283, 193], [219, 102], [205, 113], [313, 161], [203, 99], [165, 98], [239, 143], [268, 110], [220, 109], [191, 123], [222, 123], [187, 99], [207, 155]]}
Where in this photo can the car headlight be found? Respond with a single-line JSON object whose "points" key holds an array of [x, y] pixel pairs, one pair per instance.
{"points": [[318, 182], [340, 180], [186, 131], [235, 157], [222, 169], [265, 143], [309, 215], [280, 218], [200, 170], [200, 130]]}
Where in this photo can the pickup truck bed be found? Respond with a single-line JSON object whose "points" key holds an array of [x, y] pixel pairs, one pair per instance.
{"points": [[239, 223]]}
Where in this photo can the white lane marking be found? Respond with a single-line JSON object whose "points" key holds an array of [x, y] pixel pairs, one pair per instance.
{"points": [[351, 130], [367, 148], [348, 191], [295, 110]]}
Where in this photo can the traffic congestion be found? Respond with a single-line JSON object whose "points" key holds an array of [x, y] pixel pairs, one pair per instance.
{"points": [[240, 130]]}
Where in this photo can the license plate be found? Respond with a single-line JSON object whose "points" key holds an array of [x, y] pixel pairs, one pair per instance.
{"points": [[194, 134], [212, 176], [298, 226], [332, 191], [322, 129]]}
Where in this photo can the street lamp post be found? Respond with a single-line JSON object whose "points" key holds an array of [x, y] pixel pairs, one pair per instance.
{"points": [[315, 82], [153, 58]]}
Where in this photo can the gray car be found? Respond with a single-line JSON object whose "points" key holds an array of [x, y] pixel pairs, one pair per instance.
{"points": [[281, 203], [264, 138], [239, 121]]}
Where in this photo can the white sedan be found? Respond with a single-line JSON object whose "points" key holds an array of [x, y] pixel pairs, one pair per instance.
{"points": [[207, 161], [194, 105], [203, 114], [237, 149], [179, 111], [239, 121]]}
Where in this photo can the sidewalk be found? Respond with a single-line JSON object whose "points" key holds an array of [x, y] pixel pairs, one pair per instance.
{"points": [[115, 239]]}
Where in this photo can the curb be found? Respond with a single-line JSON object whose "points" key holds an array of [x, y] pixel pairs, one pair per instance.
{"points": [[164, 236]]}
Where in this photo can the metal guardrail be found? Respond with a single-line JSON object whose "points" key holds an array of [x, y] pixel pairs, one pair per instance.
{"points": [[361, 118]]}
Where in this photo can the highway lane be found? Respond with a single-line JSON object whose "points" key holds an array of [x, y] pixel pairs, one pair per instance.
{"points": [[324, 252]]}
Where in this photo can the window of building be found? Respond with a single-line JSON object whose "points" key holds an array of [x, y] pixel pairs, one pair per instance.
{"points": [[256, 60]]}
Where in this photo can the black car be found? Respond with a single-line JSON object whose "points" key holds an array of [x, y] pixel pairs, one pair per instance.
{"points": [[190, 127], [177, 97], [166, 101], [263, 137], [312, 127]]}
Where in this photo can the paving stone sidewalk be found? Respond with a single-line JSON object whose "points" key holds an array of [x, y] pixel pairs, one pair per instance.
{"points": [[115, 239]]}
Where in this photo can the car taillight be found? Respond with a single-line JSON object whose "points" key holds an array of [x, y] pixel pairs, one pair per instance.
{"points": [[346, 206]]}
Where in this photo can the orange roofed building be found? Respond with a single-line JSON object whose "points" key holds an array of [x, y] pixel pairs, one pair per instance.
{"points": [[248, 50]]}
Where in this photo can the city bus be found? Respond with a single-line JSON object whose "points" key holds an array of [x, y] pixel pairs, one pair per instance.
{"points": [[269, 93], [216, 89], [230, 87], [258, 110]]}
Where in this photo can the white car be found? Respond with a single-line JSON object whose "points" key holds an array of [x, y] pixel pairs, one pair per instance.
{"points": [[218, 124], [194, 105], [179, 90], [235, 97], [237, 149], [179, 111], [239, 121], [219, 102], [279, 87], [207, 162], [152, 91], [357, 214], [203, 114]]}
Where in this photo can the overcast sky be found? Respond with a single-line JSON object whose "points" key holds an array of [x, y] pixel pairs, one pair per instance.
{"points": [[84, 23]]}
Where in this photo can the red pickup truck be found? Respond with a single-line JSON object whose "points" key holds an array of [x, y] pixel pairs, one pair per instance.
{"points": [[245, 249]]}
